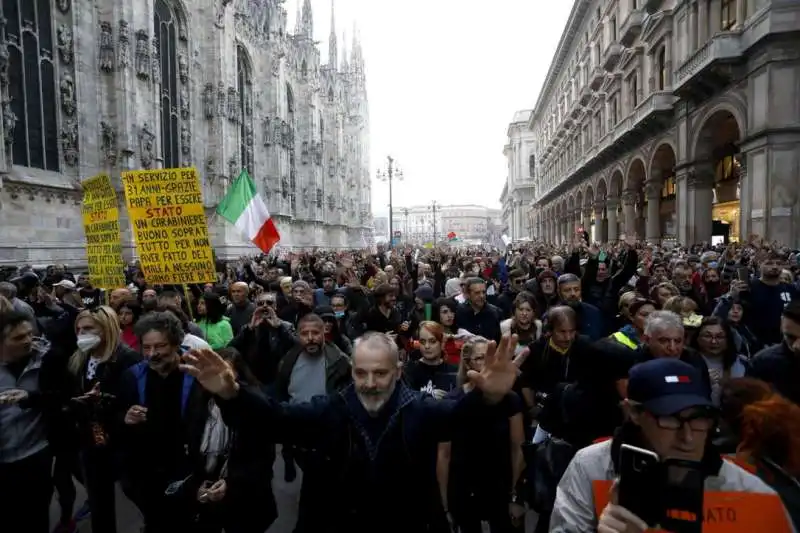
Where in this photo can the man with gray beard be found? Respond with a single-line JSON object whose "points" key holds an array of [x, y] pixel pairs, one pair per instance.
{"points": [[376, 441]]}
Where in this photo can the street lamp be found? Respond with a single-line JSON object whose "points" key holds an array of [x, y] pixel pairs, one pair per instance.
{"points": [[433, 208], [405, 210], [390, 173]]}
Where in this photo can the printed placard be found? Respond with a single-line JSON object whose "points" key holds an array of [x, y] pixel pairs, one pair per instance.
{"points": [[169, 225], [100, 215]]}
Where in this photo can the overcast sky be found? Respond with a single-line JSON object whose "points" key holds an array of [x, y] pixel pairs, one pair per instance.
{"points": [[444, 79]]}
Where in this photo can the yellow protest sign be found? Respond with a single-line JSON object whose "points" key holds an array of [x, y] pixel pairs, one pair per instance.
{"points": [[101, 226], [169, 225]]}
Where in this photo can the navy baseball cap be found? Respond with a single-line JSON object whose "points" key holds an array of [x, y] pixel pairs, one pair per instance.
{"points": [[666, 386]]}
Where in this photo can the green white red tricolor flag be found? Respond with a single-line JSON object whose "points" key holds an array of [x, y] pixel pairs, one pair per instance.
{"points": [[244, 208]]}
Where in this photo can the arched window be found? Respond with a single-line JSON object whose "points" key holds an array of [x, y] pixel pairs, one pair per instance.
{"points": [[661, 68], [245, 79], [290, 104], [166, 27], [304, 69], [321, 126], [330, 95], [30, 120]]}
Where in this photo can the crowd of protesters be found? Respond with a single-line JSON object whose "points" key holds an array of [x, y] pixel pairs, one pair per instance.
{"points": [[468, 386]]}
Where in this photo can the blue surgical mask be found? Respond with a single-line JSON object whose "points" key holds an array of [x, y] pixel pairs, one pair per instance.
{"points": [[339, 314], [712, 264]]}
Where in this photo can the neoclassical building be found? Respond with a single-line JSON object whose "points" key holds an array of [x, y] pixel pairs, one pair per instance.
{"points": [[518, 190], [671, 119], [220, 85]]}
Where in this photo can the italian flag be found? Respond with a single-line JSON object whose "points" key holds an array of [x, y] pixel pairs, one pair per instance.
{"points": [[244, 208]]}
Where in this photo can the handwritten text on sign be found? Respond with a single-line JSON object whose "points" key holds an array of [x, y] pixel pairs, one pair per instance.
{"points": [[101, 226], [169, 225]]}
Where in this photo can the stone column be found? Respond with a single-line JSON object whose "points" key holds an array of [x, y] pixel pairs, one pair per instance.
{"points": [[668, 61], [629, 212], [745, 198], [702, 21], [701, 199], [652, 191], [612, 204], [692, 30], [741, 13], [598, 222]]}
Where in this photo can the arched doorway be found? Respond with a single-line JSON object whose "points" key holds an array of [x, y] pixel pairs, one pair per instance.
{"points": [[663, 166], [717, 168], [634, 190]]}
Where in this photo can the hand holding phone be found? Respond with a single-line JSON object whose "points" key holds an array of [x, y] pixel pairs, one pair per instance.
{"points": [[639, 481]]}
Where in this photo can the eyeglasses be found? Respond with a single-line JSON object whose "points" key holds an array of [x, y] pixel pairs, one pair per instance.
{"points": [[713, 338], [699, 422]]}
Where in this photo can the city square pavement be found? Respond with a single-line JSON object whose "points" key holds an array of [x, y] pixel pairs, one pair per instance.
{"points": [[287, 496], [129, 520]]}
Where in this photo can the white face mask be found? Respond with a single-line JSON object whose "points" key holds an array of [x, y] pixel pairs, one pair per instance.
{"points": [[88, 341]]}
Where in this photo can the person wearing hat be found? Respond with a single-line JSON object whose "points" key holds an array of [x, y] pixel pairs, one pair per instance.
{"points": [[63, 287], [669, 412], [332, 333]]}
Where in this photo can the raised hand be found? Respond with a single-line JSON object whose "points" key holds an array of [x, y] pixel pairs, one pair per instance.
{"points": [[212, 372], [500, 370]]}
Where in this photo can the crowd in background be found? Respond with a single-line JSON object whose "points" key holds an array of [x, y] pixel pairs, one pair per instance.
{"points": [[92, 389]]}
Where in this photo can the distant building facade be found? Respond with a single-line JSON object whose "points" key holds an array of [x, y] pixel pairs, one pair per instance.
{"points": [[671, 119], [518, 190], [472, 224], [219, 85]]}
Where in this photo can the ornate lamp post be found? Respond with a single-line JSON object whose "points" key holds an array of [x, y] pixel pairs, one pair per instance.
{"points": [[390, 173], [433, 207]]}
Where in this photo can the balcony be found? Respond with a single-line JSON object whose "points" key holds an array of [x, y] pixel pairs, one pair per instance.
{"points": [[709, 67], [577, 109], [657, 107], [652, 116], [653, 6], [631, 27], [596, 78], [611, 56], [585, 96]]}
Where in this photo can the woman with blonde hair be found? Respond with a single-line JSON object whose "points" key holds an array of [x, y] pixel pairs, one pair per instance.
{"points": [[479, 467], [96, 370]]}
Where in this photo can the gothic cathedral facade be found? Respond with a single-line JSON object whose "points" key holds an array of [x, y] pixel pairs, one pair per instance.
{"points": [[219, 85]]}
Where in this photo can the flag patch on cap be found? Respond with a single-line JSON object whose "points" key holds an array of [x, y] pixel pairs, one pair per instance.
{"points": [[677, 379]]}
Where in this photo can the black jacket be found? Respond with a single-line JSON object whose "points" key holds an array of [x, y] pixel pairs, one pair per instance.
{"points": [[263, 348], [109, 376], [371, 463]]}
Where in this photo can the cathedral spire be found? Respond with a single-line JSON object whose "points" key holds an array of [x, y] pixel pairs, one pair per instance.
{"points": [[333, 57], [308, 20], [298, 20], [345, 65]]}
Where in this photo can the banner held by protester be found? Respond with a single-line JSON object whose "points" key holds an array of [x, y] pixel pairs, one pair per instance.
{"points": [[244, 208], [100, 215], [169, 225]]}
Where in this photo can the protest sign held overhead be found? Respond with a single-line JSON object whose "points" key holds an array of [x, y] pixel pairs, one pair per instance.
{"points": [[169, 225], [101, 225]]}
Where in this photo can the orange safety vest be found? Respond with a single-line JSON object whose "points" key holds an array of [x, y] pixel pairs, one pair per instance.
{"points": [[725, 512]]}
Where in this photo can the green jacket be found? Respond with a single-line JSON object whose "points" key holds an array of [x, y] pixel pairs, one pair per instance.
{"points": [[217, 335]]}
